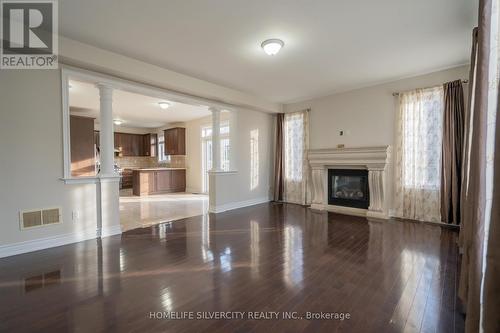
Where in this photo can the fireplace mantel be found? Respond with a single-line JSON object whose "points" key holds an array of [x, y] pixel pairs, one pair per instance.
{"points": [[374, 159]]}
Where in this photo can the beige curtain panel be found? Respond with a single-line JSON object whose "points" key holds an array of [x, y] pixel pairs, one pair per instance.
{"points": [[492, 275], [481, 316]]}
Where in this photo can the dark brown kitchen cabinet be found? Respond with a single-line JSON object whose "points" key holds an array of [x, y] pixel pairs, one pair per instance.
{"points": [[136, 144], [175, 141], [178, 180], [82, 146], [155, 181]]}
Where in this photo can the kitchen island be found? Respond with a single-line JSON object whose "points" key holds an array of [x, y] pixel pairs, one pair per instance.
{"points": [[158, 180]]}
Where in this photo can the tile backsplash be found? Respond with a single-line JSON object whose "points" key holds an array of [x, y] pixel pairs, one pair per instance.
{"points": [[131, 162]]}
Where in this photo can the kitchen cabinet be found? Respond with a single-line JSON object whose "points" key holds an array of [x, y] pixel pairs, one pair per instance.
{"points": [[82, 146], [155, 181], [136, 144], [175, 141]]}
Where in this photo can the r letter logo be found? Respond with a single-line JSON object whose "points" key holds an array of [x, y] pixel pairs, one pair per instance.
{"points": [[29, 34]]}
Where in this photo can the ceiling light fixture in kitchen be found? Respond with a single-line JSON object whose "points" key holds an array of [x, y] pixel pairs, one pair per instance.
{"points": [[272, 46], [118, 122], [164, 105]]}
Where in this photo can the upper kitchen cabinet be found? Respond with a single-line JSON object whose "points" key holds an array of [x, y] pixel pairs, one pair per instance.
{"points": [[175, 141], [129, 144], [82, 146]]}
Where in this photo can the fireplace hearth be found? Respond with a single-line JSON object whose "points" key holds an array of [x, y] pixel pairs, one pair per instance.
{"points": [[348, 187]]}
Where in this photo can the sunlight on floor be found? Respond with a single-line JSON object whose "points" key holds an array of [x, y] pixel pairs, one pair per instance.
{"points": [[138, 212]]}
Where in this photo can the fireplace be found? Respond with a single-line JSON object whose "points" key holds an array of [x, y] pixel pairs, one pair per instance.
{"points": [[348, 187]]}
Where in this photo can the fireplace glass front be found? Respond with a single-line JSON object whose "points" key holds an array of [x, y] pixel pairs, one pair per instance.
{"points": [[348, 187]]}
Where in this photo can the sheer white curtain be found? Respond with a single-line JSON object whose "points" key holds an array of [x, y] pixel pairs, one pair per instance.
{"points": [[296, 143], [418, 154]]}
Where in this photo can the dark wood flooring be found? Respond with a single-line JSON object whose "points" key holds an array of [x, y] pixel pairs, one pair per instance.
{"points": [[389, 276]]}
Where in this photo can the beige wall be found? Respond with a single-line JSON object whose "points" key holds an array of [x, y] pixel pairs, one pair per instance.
{"points": [[367, 115], [32, 161]]}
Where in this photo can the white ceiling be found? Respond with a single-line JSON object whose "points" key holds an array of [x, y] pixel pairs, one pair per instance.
{"points": [[330, 45], [134, 110]]}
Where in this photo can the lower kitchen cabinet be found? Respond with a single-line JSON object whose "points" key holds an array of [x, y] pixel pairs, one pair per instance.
{"points": [[155, 181]]}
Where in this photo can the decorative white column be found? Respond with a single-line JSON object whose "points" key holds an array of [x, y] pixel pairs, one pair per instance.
{"points": [[108, 189], [377, 189], [215, 139], [106, 135], [317, 175]]}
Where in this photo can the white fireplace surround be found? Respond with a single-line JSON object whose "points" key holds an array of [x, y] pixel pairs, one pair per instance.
{"points": [[373, 159]]}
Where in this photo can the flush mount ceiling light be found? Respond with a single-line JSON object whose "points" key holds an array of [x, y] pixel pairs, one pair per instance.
{"points": [[272, 46], [164, 105], [118, 122]]}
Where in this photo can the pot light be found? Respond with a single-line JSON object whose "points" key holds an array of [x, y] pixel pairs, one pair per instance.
{"points": [[118, 122], [163, 105], [272, 46]]}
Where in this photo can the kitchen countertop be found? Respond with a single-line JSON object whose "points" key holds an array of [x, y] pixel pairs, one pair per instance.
{"points": [[156, 169]]}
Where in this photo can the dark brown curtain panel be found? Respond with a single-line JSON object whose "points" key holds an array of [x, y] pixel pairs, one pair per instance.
{"points": [[451, 162], [279, 166], [472, 230]]}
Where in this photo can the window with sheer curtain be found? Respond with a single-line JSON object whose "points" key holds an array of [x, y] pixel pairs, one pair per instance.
{"points": [[418, 154], [295, 145]]}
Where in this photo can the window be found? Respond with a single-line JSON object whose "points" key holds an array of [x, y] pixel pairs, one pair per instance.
{"points": [[418, 155], [161, 150], [225, 144], [295, 143], [422, 139], [225, 148], [294, 148]]}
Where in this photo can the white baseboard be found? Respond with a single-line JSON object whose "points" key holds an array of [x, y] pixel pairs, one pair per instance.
{"points": [[236, 205], [111, 231], [193, 190], [54, 241]]}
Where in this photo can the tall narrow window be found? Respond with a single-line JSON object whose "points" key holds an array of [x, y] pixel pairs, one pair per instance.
{"points": [[254, 159], [225, 147], [418, 155], [295, 144], [161, 150]]}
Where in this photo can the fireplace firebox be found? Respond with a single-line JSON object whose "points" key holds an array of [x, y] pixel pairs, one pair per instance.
{"points": [[348, 187]]}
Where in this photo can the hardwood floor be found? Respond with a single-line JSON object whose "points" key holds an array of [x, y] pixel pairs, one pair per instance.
{"points": [[389, 276]]}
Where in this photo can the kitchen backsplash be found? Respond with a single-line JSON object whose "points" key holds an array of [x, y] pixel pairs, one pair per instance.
{"points": [[132, 162]]}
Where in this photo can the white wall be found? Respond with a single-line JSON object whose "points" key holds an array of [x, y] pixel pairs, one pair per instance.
{"points": [[235, 189], [367, 114], [32, 162]]}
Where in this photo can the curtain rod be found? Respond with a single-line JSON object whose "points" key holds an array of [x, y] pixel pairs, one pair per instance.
{"points": [[399, 93]]}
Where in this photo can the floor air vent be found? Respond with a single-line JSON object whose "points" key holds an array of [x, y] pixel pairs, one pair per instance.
{"points": [[38, 218]]}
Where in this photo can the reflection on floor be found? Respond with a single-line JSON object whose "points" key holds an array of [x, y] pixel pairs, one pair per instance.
{"points": [[139, 212], [389, 276]]}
